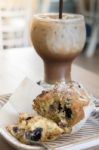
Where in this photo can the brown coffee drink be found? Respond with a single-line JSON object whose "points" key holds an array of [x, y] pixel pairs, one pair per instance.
{"points": [[58, 42]]}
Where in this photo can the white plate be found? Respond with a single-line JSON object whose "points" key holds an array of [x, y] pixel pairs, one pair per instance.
{"points": [[21, 101]]}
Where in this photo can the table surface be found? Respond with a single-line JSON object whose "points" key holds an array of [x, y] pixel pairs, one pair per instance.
{"points": [[16, 64]]}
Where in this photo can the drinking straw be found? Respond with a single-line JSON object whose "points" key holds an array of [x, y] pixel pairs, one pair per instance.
{"points": [[60, 8]]}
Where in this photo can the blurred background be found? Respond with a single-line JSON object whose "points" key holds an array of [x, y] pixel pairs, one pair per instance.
{"points": [[15, 22]]}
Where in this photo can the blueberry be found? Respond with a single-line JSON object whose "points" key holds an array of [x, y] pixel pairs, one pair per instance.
{"points": [[15, 129], [60, 107], [28, 118], [68, 113], [34, 135]]}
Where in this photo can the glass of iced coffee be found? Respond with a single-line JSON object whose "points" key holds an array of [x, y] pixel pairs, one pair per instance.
{"points": [[58, 42]]}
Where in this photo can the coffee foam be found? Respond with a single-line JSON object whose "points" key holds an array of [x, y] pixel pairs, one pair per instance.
{"points": [[55, 16], [59, 37]]}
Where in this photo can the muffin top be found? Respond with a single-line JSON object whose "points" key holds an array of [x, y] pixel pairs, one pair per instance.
{"points": [[64, 103]]}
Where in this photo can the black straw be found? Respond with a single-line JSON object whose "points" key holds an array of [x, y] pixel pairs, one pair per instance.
{"points": [[60, 8]]}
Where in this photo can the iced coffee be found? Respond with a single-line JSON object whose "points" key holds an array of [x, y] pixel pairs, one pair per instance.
{"points": [[58, 42]]}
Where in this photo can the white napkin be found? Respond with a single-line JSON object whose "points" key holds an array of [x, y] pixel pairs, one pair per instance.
{"points": [[20, 101]]}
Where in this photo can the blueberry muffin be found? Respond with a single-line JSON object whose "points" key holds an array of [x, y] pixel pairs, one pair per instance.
{"points": [[64, 104], [33, 129]]}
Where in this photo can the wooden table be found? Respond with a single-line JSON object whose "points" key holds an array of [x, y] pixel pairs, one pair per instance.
{"points": [[16, 64]]}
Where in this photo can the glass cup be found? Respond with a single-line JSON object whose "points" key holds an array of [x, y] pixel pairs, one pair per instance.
{"points": [[58, 42]]}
